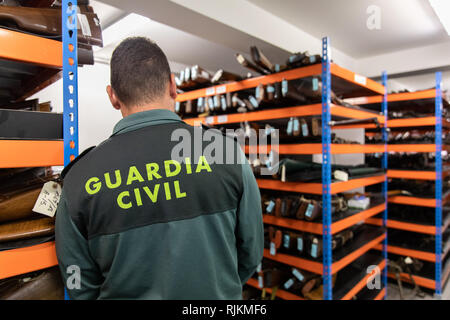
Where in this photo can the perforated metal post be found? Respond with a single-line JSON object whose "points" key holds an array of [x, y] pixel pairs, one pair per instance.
{"points": [[70, 79], [384, 110], [70, 83], [438, 212], [326, 169]]}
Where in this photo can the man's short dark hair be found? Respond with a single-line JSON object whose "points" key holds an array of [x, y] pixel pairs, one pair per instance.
{"points": [[140, 71]]}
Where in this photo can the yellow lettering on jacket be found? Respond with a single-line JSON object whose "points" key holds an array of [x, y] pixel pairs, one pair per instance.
{"points": [[95, 183]]}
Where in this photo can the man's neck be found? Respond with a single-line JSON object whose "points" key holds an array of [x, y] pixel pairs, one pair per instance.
{"points": [[162, 104]]}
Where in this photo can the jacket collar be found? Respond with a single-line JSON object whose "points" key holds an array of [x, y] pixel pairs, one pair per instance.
{"points": [[145, 118]]}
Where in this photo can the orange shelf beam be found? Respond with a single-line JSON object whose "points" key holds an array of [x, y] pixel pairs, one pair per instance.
{"points": [[421, 281], [361, 284], [19, 261], [413, 201], [341, 264], [31, 153], [282, 113], [352, 77], [363, 215], [412, 174], [278, 113], [305, 264], [404, 226], [415, 122], [285, 295], [316, 228], [252, 83], [31, 49], [317, 267], [381, 295], [345, 112], [316, 148], [313, 70], [414, 147], [395, 97], [316, 188], [427, 256]]}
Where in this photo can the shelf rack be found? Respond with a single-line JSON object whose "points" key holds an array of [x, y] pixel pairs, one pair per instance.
{"points": [[27, 50], [431, 97], [357, 86]]}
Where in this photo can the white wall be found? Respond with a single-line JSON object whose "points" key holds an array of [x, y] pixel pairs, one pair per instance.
{"points": [[96, 115]]}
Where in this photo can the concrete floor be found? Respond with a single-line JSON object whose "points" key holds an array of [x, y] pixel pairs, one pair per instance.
{"points": [[393, 293]]}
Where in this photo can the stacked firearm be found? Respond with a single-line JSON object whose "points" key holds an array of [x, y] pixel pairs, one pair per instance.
{"points": [[305, 284], [278, 94]]}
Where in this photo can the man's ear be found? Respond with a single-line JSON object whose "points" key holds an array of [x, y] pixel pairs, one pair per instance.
{"points": [[113, 98], [172, 87]]}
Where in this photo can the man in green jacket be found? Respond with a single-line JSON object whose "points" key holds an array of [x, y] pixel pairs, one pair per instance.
{"points": [[137, 220]]}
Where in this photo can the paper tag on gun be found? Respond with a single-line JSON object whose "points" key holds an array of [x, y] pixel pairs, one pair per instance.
{"points": [[48, 199]]}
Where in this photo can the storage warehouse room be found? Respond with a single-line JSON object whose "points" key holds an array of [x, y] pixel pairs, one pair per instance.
{"points": [[257, 151]]}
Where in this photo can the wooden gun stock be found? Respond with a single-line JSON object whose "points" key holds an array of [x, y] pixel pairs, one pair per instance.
{"points": [[18, 205], [41, 285], [222, 75], [26, 229], [261, 60], [247, 64]]}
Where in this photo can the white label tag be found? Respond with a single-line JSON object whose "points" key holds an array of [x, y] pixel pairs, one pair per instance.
{"points": [[360, 79], [298, 274], [296, 125], [273, 250], [210, 91], [289, 126], [270, 206], [305, 131], [300, 244], [314, 250], [288, 283], [309, 210], [48, 199], [84, 23], [209, 120], [315, 83], [260, 281], [222, 119], [286, 241], [221, 89], [259, 268]]}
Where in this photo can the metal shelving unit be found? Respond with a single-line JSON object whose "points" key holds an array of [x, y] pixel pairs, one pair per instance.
{"points": [[37, 51], [356, 86], [433, 96]]}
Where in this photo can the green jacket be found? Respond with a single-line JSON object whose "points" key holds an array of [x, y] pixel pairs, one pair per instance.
{"points": [[138, 224]]}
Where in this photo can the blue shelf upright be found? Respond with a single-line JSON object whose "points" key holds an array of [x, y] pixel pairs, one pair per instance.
{"points": [[438, 187], [384, 109], [70, 79], [70, 83], [326, 170]]}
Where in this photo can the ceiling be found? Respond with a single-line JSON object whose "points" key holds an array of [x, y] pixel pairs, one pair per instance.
{"points": [[404, 23], [344, 21], [182, 48], [107, 14]]}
